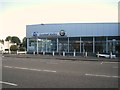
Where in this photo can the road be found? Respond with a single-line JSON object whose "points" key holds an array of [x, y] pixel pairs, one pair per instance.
{"points": [[51, 73]]}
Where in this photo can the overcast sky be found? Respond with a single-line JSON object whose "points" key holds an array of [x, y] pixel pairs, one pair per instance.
{"points": [[16, 14]]}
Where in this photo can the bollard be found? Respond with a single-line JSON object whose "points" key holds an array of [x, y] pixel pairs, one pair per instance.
{"points": [[63, 53], [85, 54], [53, 53], [98, 54], [110, 55], [9, 52], [74, 54], [43, 53], [34, 53], [17, 52]]}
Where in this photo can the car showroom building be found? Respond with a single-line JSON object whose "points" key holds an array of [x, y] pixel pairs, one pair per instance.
{"points": [[70, 37]]}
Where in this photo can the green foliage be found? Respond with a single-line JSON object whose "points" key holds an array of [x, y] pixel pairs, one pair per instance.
{"points": [[2, 41], [24, 42], [13, 48], [8, 38], [15, 40], [21, 48]]}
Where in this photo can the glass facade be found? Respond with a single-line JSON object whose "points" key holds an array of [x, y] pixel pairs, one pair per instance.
{"points": [[87, 44], [71, 44], [100, 44], [113, 44], [74, 44], [62, 44]]}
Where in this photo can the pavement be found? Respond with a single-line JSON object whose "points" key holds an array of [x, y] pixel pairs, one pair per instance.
{"points": [[42, 72], [57, 57]]}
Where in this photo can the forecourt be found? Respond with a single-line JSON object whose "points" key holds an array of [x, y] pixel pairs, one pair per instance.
{"points": [[53, 73]]}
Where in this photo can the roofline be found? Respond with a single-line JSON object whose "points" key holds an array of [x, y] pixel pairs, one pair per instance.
{"points": [[75, 23]]}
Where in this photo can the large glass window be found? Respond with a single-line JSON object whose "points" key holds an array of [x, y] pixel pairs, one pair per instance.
{"points": [[74, 44], [113, 44], [63, 44], [87, 44], [100, 44], [32, 44], [47, 45], [42, 45], [51, 44]]}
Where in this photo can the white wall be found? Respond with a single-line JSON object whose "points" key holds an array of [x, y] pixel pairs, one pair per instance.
{"points": [[1, 47], [7, 45]]}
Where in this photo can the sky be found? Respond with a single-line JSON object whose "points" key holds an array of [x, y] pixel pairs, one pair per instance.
{"points": [[16, 14]]}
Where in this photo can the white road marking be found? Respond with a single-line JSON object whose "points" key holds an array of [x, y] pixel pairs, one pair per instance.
{"points": [[30, 69], [49, 70], [8, 66], [101, 75], [20, 68], [12, 84], [35, 69]]}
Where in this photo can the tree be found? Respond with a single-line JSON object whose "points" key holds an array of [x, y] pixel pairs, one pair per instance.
{"points": [[8, 38], [2, 41], [16, 40], [13, 48], [24, 42]]}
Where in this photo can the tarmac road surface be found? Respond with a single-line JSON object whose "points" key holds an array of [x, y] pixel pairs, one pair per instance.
{"points": [[52, 73]]}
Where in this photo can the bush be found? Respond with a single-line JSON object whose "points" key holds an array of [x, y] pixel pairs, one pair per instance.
{"points": [[13, 48], [22, 49]]}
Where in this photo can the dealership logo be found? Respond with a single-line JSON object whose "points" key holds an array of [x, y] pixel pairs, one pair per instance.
{"points": [[34, 33], [62, 33]]}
